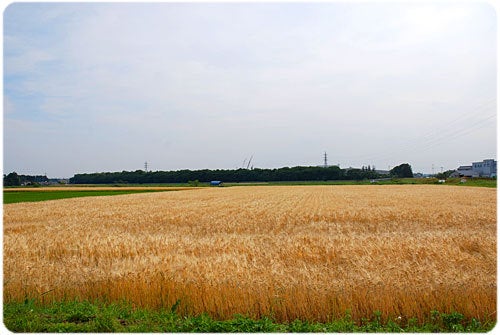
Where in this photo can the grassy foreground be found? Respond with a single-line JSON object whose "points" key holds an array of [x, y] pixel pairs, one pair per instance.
{"points": [[85, 316]]}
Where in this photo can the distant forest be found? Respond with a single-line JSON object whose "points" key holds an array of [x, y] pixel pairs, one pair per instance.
{"points": [[298, 173], [13, 179]]}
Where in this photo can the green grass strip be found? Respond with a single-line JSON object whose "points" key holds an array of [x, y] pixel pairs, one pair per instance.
{"points": [[85, 316], [33, 196], [476, 182]]}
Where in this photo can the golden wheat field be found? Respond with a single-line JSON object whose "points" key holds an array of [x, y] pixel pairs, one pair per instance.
{"points": [[308, 252]]}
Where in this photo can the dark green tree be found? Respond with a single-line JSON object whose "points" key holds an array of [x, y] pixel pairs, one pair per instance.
{"points": [[12, 179], [445, 174], [402, 171]]}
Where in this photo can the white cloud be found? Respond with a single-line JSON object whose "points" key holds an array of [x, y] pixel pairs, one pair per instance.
{"points": [[172, 83]]}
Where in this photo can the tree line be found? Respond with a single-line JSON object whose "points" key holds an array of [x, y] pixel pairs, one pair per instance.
{"points": [[298, 173], [13, 179]]}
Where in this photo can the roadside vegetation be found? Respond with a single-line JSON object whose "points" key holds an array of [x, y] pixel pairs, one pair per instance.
{"points": [[478, 182], [97, 317]]}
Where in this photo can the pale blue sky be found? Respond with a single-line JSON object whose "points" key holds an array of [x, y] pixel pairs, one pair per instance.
{"points": [[92, 87]]}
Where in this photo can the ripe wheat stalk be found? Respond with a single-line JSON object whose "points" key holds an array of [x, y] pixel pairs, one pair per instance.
{"points": [[308, 252]]}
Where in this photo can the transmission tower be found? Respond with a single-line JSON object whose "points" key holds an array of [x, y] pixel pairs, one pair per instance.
{"points": [[146, 166], [325, 159], [249, 161]]}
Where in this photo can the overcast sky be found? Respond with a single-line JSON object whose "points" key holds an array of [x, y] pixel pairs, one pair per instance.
{"points": [[92, 87]]}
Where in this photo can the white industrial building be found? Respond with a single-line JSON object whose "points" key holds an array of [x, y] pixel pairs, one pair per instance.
{"points": [[486, 168], [463, 171]]}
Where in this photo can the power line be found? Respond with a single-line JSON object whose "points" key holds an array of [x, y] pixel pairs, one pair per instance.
{"points": [[468, 115], [437, 136]]}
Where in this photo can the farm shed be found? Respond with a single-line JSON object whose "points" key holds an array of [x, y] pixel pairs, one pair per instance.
{"points": [[216, 183]]}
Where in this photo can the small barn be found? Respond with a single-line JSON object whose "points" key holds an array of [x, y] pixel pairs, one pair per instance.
{"points": [[216, 183]]}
